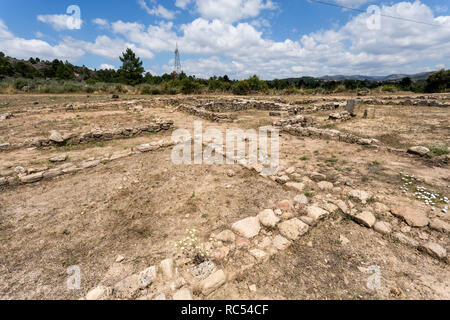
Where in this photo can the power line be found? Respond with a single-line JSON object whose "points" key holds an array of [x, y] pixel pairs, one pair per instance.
{"points": [[383, 15]]}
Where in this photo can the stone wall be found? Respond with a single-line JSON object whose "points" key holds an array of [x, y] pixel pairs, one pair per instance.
{"points": [[57, 139]]}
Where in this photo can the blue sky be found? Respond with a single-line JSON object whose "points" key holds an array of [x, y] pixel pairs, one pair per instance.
{"points": [[270, 38]]}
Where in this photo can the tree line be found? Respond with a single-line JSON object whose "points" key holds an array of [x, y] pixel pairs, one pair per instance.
{"points": [[132, 73]]}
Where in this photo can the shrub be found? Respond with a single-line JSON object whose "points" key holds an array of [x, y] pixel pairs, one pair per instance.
{"points": [[388, 88]]}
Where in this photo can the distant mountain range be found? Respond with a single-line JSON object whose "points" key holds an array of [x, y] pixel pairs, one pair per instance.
{"points": [[392, 77]]}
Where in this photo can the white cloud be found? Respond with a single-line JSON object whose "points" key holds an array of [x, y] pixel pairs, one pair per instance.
{"points": [[61, 21], [106, 47], [182, 3], [106, 66], [25, 48], [352, 3], [101, 22], [232, 10], [157, 10]]}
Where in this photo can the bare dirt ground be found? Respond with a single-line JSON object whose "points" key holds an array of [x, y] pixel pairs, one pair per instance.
{"points": [[138, 206]]}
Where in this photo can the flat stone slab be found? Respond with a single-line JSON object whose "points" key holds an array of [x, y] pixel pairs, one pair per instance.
{"points": [[366, 218], [247, 228], [435, 250], [419, 150], [439, 225], [297, 186], [316, 213], [382, 227], [405, 239], [293, 229], [213, 282], [412, 216]]}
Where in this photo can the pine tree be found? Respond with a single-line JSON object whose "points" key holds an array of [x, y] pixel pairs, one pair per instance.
{"points": [[131, 70]]}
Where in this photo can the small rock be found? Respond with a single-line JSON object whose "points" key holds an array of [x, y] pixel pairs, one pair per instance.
{"points": [[149, 273], [242, 243], [252, 288], [258, 254], [309, 221], [60, 158], [32, 177], [284, 205], [366, 218], [293, 229], [381, 208], [435, 250], [301, 199], [360, 195], [341, 205], [98, 293], [248, 227], [203, 270], [161, 296], [213, 282], [325, 185], [282, 179], [419, 150], [129, 287], [382, 227], [225, 236], [182, 294], [343, 240], [55, 136], [120, 258], [297, 186], [439, 225], [405, 239], [330, 207], [167, 268], [405, 229], [89, 164], [220, 253], [316, 213], [268, 218], [281, 243], [315, 176]]}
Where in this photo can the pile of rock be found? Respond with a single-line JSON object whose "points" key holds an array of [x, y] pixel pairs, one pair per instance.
{"points": [[32, 175], [57, 138], [298, 130], [303, 121], [201, 113], [341, 116]]}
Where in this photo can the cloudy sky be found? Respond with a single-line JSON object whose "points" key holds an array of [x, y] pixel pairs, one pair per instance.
{"points": [[270, 38]]}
